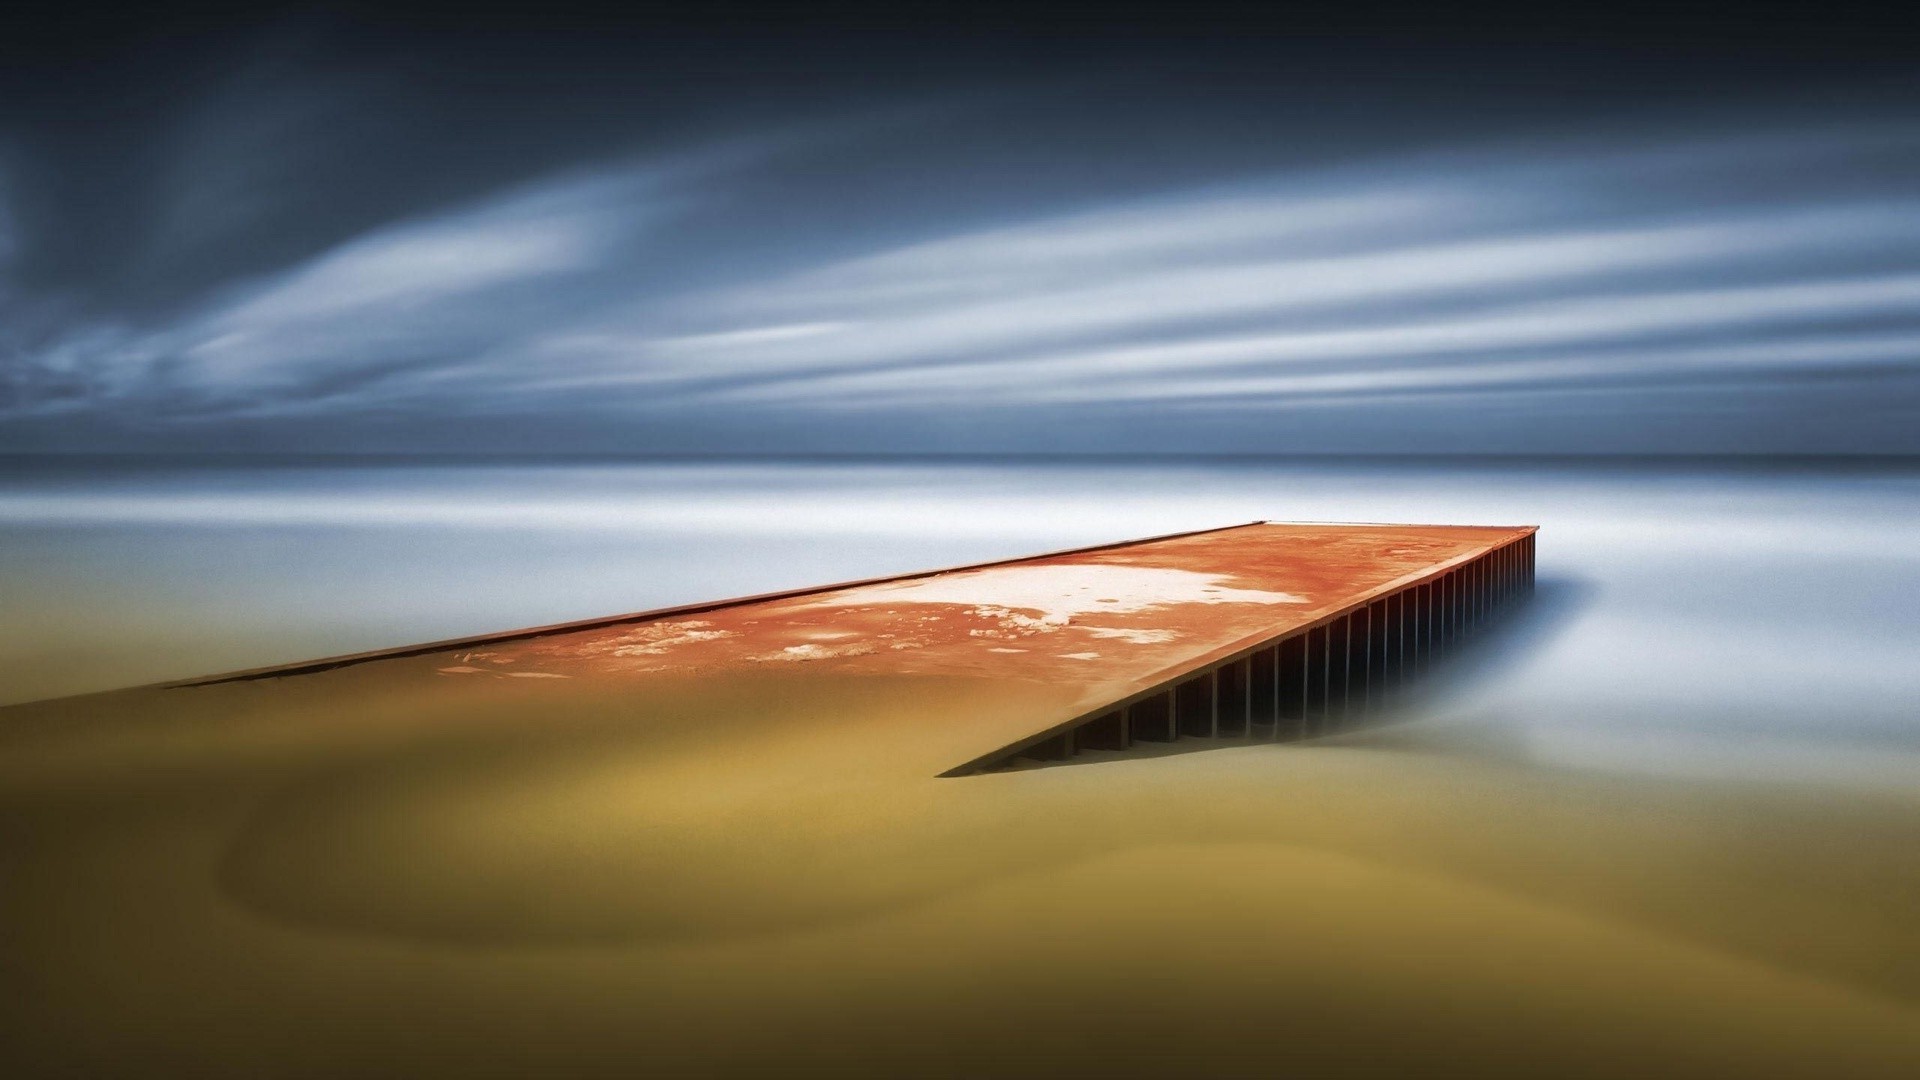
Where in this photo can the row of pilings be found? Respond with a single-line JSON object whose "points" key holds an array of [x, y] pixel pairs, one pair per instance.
{"points": [[1313, 680]]}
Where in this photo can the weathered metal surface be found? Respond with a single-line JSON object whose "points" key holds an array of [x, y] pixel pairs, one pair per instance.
{"points": [[1261, 629]]}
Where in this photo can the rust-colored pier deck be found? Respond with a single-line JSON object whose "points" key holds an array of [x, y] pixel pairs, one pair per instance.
{"points": [[1264, 630]]}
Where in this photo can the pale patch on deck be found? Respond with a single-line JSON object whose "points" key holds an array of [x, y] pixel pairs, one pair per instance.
{"points": [[1131, 635], [1058, 592], [656, 639], [811, 651]]}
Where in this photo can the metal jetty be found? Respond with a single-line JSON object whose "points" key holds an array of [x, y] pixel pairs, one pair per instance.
{"points": [[1302, 677], [1266, 630]]}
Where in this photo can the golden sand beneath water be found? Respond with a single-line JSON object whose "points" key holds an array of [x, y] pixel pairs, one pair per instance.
{"points": [[378, 871]]}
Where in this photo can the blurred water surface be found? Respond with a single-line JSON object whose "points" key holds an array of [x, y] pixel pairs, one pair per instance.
{"points": [[1716, 618]]}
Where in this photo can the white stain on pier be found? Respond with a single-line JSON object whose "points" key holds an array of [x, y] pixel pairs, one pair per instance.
{"points": [[1058, 593]]}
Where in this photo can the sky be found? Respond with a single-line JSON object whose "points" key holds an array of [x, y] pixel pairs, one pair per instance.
{"points": [[1240, 229]]}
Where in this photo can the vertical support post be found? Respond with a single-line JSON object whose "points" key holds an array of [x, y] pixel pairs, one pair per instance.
{"points": [[1326, 678], [1390, 642], [1279, 654], [1459, 582], [1473, 594], [1493, 581], [1453, 609], [1366, 662], [1400, 645], [1421, 598], [1346, 666], [1307, 664], [1499, 577], [1247, 698], [1306, 682], [1337, 680], [1388, 625], [1423, 631], [1213, 719], [1419, 608], [1382, 647], [1431, 651], [1422, 620], [1396, 608]]}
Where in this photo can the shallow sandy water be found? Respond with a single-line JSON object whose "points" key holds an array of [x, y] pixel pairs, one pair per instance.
{"points": [[346, 872], [1664, 824]]}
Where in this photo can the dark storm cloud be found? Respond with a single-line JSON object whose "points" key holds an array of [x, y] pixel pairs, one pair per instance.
{"points": [[338, 235]]}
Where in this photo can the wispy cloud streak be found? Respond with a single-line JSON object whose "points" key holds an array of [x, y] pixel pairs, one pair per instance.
{"points": [[1542, 265]]}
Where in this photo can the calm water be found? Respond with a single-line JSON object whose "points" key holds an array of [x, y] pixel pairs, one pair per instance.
{"points": [[1721, 620]]}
